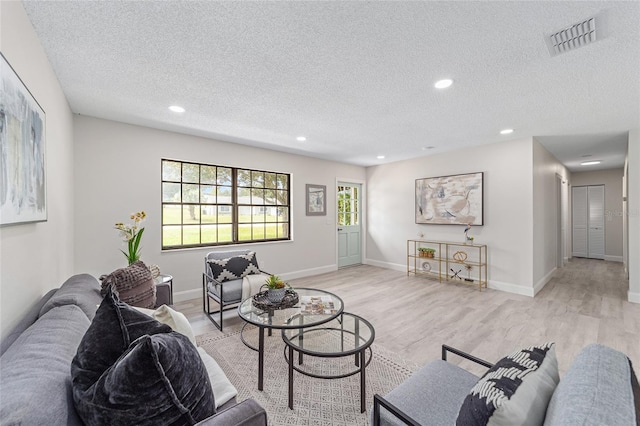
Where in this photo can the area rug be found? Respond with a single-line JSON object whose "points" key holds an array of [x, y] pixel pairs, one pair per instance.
{"points": [[316, 401]]}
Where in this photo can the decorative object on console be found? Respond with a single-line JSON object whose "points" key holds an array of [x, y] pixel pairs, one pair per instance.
{"points": [[450, 200], [426, 252], [132, 234], [128, 356], [467, 238], [22, 142], [134, 285], [315, 197], [516, 390]]}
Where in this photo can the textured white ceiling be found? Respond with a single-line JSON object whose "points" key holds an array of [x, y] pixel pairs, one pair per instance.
{"points": [[355, 78]]}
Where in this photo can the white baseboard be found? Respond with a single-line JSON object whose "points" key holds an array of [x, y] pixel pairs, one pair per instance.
{"points": [[613, 258], [309, 272], [386, 265], [512, 288], [633, 297], [181, 296], [540, 284]]}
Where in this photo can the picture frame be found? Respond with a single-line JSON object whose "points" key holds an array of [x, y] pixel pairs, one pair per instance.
{"points": [[316, 200], [450, 200], [23, 191]]}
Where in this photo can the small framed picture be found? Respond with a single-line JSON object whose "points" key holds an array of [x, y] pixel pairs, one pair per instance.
{"points": [[316, 199]]}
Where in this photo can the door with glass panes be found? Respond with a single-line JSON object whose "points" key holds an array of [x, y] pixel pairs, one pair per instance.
{"points": [[349, 224]]}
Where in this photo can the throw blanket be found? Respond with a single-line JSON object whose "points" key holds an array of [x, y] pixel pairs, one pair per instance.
{"points": [[251, 284]]}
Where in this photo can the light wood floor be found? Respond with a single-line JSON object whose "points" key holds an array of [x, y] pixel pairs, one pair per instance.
{"points": [[585, 302]]}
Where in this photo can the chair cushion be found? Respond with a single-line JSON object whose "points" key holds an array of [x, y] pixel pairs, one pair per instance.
{"points": [[432, 396], [35, 385], [515, 391], [134, 285], [235, 267], [232, 290], [598, 389]]}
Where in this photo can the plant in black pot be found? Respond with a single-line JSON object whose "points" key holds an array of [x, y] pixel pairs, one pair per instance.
{"points": [[276, 288]]}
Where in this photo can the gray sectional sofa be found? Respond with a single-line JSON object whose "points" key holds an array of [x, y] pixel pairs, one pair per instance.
{"points": [[35, 360]]}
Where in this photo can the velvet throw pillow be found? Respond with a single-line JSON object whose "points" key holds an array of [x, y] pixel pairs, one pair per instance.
{"points": [[234, 268], [159, 380], [133, 284], [131, 369], [515, 391]]}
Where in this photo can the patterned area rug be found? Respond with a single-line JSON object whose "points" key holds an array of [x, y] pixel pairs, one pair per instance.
{"points": [[316, 401]]}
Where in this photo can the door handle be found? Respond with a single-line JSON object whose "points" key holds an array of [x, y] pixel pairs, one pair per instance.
{"points": [[339, 229]]}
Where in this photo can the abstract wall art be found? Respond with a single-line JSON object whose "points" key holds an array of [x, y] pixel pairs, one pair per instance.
{"points": [[23, 195], [450, 200]]}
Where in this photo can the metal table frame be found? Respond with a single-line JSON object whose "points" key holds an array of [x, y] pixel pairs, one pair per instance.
{"points": [[270, 326], [296, 343]]}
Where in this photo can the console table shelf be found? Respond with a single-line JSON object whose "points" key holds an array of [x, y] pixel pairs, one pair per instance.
{"points": [[458, 262]]}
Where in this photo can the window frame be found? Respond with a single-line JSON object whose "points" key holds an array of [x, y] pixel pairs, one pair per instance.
{"points": [[234, 206]]}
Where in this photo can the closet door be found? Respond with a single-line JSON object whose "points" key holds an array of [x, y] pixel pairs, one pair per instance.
{"points": [[580, 221], [595, 199]]}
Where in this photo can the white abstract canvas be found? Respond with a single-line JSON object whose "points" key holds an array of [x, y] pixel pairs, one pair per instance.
{"points": [[450, 200], [22, 152]]}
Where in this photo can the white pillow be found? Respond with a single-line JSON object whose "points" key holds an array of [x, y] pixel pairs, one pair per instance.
{"points": [[174, 319], [222, 388]]}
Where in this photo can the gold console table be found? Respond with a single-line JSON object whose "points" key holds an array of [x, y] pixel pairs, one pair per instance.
{"points": [[458, 262]]}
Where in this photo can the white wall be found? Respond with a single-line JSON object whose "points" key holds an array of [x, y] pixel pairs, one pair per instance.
{"points": [[545, 210], [39, 256], [634, 215], [508, 211], [118, 172], [612, 181]]}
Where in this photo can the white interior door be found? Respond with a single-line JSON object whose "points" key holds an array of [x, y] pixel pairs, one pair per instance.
{"points": [[349, 224], [595, 198], [579, 220]]}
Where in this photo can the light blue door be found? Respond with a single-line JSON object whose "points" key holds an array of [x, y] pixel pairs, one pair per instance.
{"points": [[349, 224]]}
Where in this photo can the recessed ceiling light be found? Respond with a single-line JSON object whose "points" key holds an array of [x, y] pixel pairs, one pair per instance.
{"points": [[590, 163], [380, 157], [506, 131], [176, 108], [301, 139], [443, 84]]}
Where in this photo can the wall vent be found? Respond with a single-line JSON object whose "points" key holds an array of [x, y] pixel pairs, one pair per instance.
{"points": [[573, 37]]}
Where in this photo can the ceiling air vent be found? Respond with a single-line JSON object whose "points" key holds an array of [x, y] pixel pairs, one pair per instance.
{"points": [[573, 37]]}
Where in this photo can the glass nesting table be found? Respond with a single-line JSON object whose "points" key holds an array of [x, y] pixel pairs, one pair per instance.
{"points": [[345, 335], [306, 313]]}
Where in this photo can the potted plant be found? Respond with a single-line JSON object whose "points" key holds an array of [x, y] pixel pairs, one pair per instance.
{"points": [[426, 252], [276, 288]]}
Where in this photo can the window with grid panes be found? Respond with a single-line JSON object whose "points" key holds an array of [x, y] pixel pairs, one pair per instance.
{"points": [[207, 205]]}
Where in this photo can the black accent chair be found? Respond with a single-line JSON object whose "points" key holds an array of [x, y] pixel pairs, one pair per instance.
{"points": [[227, 294]]}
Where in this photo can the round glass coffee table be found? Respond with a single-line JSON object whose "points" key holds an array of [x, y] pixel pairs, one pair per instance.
{"points": [[346, 335], [314, 307]]}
